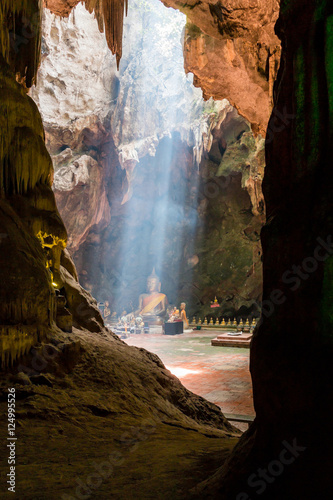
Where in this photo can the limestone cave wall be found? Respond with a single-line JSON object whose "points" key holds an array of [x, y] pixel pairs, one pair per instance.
{"points": [[109, 15], [229, 42], [292, 349], [54, 349], [109, 145], [34, 261]]}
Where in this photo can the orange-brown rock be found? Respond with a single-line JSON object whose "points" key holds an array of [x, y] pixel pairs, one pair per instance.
{"points": [[233, 52], [60, 7], [81, 197]]}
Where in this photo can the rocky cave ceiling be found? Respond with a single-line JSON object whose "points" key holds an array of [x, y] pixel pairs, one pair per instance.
{"points": [[21, 38], [243, 33], [245, 36], [109, 15]]}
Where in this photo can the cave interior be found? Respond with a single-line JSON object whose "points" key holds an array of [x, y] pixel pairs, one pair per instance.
{"points": [[205, 137]]}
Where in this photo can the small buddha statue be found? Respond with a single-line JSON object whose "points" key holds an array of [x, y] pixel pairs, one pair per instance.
{"points": [[183, 316], [152, 303], [173, 315]]}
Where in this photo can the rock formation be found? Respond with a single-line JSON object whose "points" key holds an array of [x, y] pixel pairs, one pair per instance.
{"points": [[21, 37], [230, 42], [292, 349], [128, 388], [109, 15], [112, 127]]}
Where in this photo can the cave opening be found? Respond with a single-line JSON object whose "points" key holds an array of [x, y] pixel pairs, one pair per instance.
{"points": [[167, 162], [150, 178], [104, 416]]}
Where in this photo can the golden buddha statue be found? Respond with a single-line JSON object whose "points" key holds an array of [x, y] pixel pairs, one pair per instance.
{"points": [[152, 303], [183, 316]]}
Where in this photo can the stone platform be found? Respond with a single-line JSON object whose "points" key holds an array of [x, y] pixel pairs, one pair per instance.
{"points": [[225, 340]]}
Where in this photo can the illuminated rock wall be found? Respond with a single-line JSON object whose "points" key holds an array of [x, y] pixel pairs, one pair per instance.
{"points": [[118, 128], [109, 15], [233, 52]]}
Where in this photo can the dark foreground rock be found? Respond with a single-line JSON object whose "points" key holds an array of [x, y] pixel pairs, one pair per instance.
{"points": [[118, 418]]}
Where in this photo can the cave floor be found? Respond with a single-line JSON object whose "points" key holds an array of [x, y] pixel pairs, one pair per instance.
{"points": [[111, 422], [219, 374]]}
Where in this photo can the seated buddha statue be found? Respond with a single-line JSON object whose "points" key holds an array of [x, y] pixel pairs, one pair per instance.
{"points": [[153, 303]]}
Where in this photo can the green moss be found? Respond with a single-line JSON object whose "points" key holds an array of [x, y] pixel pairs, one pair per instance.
{"points": [[193, 31], [320, 12]]}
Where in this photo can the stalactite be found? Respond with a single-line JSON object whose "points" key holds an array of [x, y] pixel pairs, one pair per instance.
{"points": [[20, 37], [27, 164], [17, 340], [27, 205], [110, 17]]}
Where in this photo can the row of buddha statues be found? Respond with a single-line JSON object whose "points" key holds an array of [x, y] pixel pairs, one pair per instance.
{"points": [[228, 324]]}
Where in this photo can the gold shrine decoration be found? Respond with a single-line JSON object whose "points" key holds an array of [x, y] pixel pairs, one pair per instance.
{"points": [[110, 18], [225, 325]]}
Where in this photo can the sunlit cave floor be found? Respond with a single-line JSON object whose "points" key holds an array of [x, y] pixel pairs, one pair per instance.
{"points": [[110, 415], [219, 374]]}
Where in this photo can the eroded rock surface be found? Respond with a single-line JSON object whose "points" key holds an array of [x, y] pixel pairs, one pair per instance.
{"points": [[33, 235], [109, 15], [230, 42], [110, 410], [82, 199], [142, 119], [78, 394]]}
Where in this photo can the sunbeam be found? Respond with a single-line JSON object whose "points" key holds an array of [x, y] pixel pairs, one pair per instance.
{"points": [[154, 182]]}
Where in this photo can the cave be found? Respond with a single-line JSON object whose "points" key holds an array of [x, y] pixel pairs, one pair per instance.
{"points": [[232, 151]]}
